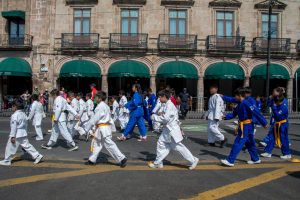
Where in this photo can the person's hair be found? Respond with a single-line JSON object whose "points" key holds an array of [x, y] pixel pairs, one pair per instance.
{"points": [[34, 97], [138, 88], [18, 104], [122, 92], [280, 90], [71, 94], [248, 90], [240, 92], [279, 99], [149, 90], [113, 97], [55, 92], [214, 86], [89, 95], [101, 95], [164, 93], [79, 94]]}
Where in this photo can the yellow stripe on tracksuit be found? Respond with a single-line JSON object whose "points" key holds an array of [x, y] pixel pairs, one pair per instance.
{"points": [[93, 140], [277, 126]]}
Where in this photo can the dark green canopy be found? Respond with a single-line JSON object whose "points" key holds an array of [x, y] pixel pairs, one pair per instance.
{"points": [[224, 70], [177, 69], [129, 68], [297, 74], [276, 72], [13, 14], [15, 67], [80, 68]]}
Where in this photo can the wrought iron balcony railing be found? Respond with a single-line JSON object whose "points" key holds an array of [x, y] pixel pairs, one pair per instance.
{"points": [[178, 2], [278, 45], [225, 43], [127, 41], [298, 46], [80, 41], [81, 2], [137, 2], [171, 42], [12, 42]]}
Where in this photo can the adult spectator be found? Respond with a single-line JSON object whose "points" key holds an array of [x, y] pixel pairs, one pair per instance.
{"points": [[46, 101], [184, 106]]}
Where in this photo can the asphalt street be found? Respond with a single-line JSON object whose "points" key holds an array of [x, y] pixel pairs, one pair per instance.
{"points": [[62, 175]]}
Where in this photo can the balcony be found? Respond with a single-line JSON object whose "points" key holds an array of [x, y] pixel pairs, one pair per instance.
{"points": [[225, 44], [128, 41], [134, 2], [177, 43], [177, 2], [298, 47], [81, 2], [79, 41], [16, 42], [279, 46]]}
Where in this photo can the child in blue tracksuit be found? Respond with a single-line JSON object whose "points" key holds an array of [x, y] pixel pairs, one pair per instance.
{"points": [[151, 104], [135, 106], [278, 134], [245, 136]]}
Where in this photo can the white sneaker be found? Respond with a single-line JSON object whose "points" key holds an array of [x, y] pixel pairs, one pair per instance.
{"points": [[286, 157], [45, 146], [38, 159], [38, 139], [226, 163], [5, 163], [74, 148], [266, 155], [152, 165], [263, 144], [250, 162], [194, 165]]}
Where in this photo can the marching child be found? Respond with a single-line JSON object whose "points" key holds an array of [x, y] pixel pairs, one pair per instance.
{"points": [[123, 111], [171, 136], [115, 109], [71, 117], [18, 136], [36, 115], [82, 112], [103, 134]]}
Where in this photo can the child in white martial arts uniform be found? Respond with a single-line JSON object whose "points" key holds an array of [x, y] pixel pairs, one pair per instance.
{"points": [[171, 136], [60, 107], [115, 109], [18, 136], [157, 109], [82, 113], [71, 118], [36, 115], [103, 134], [90, 105], [123, 112]]}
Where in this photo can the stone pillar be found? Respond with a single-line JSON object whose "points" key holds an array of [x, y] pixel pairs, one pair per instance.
{"points": [[200, 94], [290, 88], [153, 83], [104, 85], [247, 82]]}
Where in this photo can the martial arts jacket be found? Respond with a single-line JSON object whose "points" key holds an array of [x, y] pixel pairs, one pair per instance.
{"points": [[18, 124], [59, 109], [90, 108], [36, 112], [215, 107], [75, 105]]}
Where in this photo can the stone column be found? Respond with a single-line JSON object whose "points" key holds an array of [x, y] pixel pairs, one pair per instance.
{"points": [[153, 83], [290, 88], [104, 85], [247, 81], [200, 94]]}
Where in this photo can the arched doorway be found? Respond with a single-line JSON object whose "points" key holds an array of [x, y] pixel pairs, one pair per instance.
{"points": [[77, 75], [123, 74]]}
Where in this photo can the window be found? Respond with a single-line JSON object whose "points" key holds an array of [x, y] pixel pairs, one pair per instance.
{"points": [[129, 20], [274, 25], [225, 23], [177, 24], [16, 31], [82, 21]]}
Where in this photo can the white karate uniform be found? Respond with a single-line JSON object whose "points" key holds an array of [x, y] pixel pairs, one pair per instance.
{"points": [[103, 134], [71, 117], [171, 136], [37, 113], [215, 113], [59, 107], [84, 118], [115, 111], [18, 130], [157, 109], [90, 108], [123, 113]]}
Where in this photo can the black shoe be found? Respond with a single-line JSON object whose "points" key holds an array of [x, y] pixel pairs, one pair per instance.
{"points": [[212, 144], [223, 142], [123, 163], [89, 163]]}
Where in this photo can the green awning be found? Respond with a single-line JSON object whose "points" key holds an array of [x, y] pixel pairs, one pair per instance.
{"points": [[297, 74], [15, 67], [80, 68], [224, 70], [177, 69], [129, 68], [13, 14], [276, 72]]}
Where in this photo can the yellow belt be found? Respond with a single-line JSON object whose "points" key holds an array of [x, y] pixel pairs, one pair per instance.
{"points": [[93, 140], [101, 125], [277, 126], [242, 123]]}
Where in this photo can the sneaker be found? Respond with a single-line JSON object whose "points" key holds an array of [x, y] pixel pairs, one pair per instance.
{"points": [[123, 163], [194, 165], [226, 163], [212, 144], [263, 144], [38, 139], [223, 142], [5, 163], [286, 157], [90, 163], [250, 162], [142, 139], [74, 148], [38, 159], [45, 146], [121, 138], [152, 165], [266, 155]]}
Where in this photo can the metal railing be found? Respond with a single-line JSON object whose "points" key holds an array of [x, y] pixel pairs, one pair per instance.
{"points": [[177, 42], [8, 41], [298, 46], [278, 45], [118, 41], [178, 2], [142, 2], [79, 40], [71, 2], [225, 43]]}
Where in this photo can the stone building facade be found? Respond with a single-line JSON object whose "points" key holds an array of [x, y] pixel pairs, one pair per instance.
{"points": [[181, 43]]}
